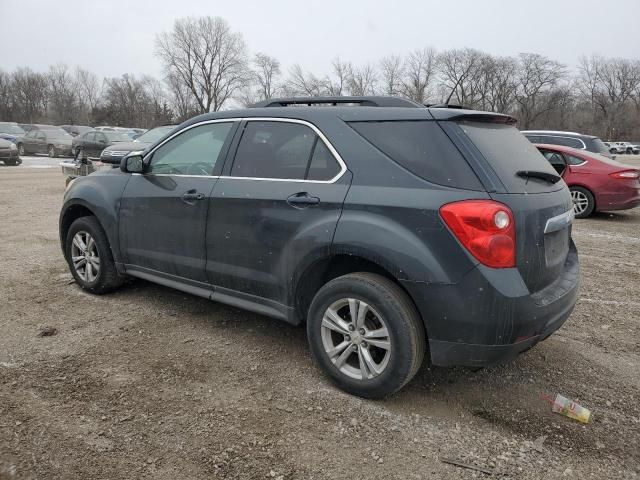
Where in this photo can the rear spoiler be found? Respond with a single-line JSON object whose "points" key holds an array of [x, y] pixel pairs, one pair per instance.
{"points": [[471, 115]]}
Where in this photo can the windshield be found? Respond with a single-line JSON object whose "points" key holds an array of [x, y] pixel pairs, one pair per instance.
{"points": [[117, 136], [57, 133], [154, 135], [8, 128], [508, 152]]}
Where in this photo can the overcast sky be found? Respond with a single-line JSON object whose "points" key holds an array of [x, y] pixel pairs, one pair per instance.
{"points": [[112, 37]]}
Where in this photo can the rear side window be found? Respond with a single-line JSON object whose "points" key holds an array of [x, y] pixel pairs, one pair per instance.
{"points": [[422, 148], [598, 146], [508, 151], [283, 150], [574, 160], [566, 141]]}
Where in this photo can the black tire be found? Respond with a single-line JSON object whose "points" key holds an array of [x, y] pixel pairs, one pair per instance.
{"points": [[591, 205], [406, 332], [11, 163], [21, 150], [108, 277], [51, 151]]}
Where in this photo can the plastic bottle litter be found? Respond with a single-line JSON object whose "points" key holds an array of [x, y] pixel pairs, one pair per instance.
{"points": [[568, 408]]}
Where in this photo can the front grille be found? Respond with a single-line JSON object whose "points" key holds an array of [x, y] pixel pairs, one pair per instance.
{"points": [[114, 153]]}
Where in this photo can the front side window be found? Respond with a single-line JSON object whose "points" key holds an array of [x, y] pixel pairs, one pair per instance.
{"points": [[89, 137], [194, 152], [283, 150], [556, 161]]}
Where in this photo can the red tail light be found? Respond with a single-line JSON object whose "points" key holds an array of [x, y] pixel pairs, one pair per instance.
{"points": [[626, 174], [485, 228]]}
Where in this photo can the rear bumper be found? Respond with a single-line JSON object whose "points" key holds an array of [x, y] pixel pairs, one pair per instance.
{"points": [[619, 196], [490, 316]]}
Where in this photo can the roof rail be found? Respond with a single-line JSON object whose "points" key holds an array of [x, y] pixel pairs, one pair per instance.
{"points": [[364, 101], [444, 105]]}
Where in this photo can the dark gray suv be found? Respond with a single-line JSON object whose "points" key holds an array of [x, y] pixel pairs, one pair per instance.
{"points": [[393, 230]]}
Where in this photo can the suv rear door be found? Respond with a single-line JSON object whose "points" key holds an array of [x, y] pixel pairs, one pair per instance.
{"points": [[275, 208], [163, 211], [542, 209]]}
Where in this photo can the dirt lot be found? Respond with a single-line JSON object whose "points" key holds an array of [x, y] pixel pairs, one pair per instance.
{"points": [[148, 382]]}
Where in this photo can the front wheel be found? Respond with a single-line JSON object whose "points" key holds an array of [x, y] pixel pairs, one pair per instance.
{"points": [[583, 202], [366, 334], [89, 257], [11, 163]]}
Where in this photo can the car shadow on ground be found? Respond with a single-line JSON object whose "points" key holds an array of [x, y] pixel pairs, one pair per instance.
{"points": [[613, 217]]}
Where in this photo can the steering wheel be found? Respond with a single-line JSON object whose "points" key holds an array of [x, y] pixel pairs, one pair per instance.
{"points": [[199, 168]]}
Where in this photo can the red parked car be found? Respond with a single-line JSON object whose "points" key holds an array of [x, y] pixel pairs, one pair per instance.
{"points": [[597, 183]]}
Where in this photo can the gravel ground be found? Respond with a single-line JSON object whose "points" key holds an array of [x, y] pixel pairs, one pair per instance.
{"points": [[148, 382]]}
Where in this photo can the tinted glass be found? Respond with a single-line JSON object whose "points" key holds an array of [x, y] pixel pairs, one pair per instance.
{"points": [[598, 146], [508, 151], [566, 141], [89, 137], [58, 133], [8, 128], [556, 161], [422, 148], [274, 150], [154, 135], [194, 152], [323, 164], [117, 137]]}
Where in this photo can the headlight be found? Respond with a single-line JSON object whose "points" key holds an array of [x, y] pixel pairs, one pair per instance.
{"points": [[13, 147]]}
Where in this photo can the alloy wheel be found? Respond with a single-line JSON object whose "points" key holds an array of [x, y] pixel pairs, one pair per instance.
{"points": [[356, 339], [85, 258], [52, 152], [580, 202]]}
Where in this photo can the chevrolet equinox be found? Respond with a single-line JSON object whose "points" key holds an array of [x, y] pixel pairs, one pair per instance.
{"points": [[393, 230]]}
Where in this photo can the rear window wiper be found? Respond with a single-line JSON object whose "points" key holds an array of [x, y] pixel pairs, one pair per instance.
{"points": [[546, 176]]}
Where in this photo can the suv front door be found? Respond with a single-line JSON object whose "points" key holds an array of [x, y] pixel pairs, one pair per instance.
{"points": [[163, 211], [274, 210]]}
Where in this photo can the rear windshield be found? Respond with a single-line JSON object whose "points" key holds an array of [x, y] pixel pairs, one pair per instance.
{"points": [[422, 148], [598, 146], [508, 151]]}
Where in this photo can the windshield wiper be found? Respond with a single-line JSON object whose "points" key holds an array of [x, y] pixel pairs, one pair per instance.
{"points": [[546, 176]]}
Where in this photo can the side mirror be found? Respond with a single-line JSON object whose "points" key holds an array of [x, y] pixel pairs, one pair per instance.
{"points": [[132, 164]]}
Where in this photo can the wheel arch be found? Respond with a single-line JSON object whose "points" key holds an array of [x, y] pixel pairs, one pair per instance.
{"points": [[323, 270]]}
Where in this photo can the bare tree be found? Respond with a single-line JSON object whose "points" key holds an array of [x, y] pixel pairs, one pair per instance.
{"points": [[89, 88], [303, 83], [459, 73], [610, 85], [266, 72], [363, 80], [30, 94], [207, 56], [537, 78], [63, 90], [180, 98], [6, 96], [419, 70], [342, 73], [391, 74]]}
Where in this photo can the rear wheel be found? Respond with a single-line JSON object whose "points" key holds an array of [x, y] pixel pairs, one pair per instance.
{"points": [[52, 151], [583, 202], [20, 149], [89, 257], [366, 334], [11, 163]]}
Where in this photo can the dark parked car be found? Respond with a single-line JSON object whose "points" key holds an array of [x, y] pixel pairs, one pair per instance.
{"points": [[93, 142], [596, 183], [75, 130], [45, 139], [9, 153], [114, 153], [11, 131], [393, 230], [590, 143]]}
